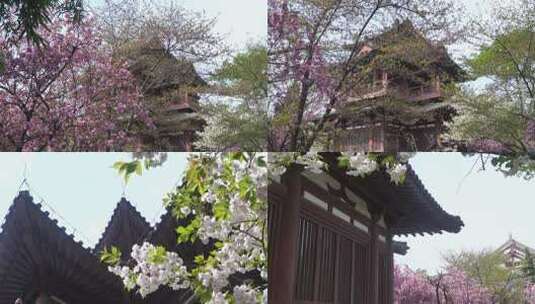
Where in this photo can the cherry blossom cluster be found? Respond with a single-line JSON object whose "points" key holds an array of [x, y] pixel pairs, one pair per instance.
{"points": [[154, 268], [357, 164], [223, 195], [241, 236]]}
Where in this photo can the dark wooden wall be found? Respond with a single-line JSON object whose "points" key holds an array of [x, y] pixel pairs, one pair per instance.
{"points": [[332, 261], [367, 138]]}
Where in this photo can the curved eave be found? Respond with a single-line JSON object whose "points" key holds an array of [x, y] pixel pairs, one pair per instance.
{"points": [[37, 254], [418, 211], [410, 207]]}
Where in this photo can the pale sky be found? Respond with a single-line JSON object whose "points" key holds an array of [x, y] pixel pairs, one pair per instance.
{"points": [[492, 206], [242, 20], [83, 188]]}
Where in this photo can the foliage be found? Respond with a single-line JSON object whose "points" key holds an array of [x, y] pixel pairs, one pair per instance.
{"points": [[500, 118], [499, 58], [486, 267], [189, 35], [515, 165], [69, 94], [468, 277], [245, 75], [142, 160], [25, 18], [314, 56], [528, 267], [222, 198], [240, 120], [488, 125]]}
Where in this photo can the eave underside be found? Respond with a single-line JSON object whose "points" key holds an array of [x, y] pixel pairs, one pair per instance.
{"points": [[408, 206]]}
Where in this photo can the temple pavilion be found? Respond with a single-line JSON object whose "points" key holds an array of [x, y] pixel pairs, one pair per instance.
{"points": [[331, 234], [514, 252], [398, 102], [170, 87]]}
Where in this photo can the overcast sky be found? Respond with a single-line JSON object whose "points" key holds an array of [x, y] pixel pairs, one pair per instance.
{"points": [[242, 20], [492, 206], [84, 189]]}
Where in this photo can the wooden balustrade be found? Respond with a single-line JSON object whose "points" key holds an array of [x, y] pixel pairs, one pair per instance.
{"points": [[415, 93]]}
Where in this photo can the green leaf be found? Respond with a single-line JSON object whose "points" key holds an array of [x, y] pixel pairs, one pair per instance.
{"points": [[261, 162], [110, 257], [188, 233], [157, 255], [221, 211], [343, 162], [126, 169]]}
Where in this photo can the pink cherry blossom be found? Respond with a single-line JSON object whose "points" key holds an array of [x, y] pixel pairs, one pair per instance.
{"points": [[451, 286], [68, 94]]}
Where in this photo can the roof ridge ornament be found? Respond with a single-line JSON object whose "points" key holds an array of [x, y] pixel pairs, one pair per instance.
{"points": [[24, 182]]}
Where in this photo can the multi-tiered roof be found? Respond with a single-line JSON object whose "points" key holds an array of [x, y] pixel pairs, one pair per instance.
{"points": [[514, 252], [37, 257], [169, 85]]}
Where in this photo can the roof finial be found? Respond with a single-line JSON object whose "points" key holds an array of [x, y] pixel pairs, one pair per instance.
{"points": [[24, 182], [123, 194], [510, 236]]}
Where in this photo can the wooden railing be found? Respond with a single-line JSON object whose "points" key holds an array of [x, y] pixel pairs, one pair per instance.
{"points": [[415, 93], [424, 92], [367, 92]]}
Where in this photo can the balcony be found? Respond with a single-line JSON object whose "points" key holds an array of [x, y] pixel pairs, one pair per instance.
{"points": [[368, 92], [423, 92], [412, 94], [183, 102]]}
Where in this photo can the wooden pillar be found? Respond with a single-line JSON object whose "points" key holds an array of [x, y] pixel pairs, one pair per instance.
{"points": [[353, 274], [373, 292], [284, 263], [338, 247], [390, 274], [188, 141]]}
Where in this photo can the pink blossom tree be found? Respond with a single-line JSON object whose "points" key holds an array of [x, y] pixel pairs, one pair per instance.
{"points": [[451, 286], [529, 293], [411, 287], [68, 94]]}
